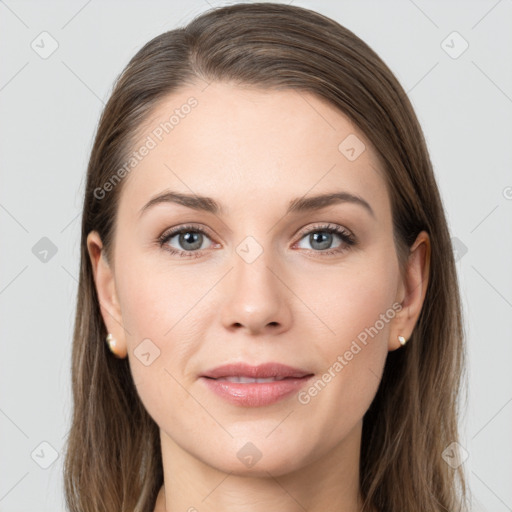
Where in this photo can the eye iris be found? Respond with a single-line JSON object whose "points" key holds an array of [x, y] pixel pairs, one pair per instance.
{"points": [[191, 237], [321, 237]]}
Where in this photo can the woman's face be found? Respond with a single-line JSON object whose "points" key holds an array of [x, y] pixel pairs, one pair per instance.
{"points": [[259, 277]]}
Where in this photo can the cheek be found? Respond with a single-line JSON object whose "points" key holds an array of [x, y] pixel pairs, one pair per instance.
{"points": [[164, 319], [153, 300], [352, 299], [356, 315]]}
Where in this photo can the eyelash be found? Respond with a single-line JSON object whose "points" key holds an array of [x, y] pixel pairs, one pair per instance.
{"points": [[346, 237]]}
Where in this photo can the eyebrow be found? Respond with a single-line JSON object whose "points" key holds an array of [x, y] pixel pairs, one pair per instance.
{"points": [[300, 204]]}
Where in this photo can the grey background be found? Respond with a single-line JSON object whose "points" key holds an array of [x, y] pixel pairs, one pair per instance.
{"points": [[49, 108]]}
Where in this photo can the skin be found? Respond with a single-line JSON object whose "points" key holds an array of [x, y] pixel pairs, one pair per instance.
{"points": [[253, 151]]}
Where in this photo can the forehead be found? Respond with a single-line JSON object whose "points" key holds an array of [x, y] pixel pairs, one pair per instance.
{"points": [[248, 146]]}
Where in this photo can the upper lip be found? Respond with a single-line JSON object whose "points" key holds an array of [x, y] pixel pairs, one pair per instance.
{"points": [[261, 371]]}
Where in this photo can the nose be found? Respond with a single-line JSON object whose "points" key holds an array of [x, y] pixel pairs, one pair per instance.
{"points": [[256, 298]]}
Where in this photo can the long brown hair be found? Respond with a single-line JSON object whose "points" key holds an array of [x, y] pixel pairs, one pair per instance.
{"points": [[113, 459]]}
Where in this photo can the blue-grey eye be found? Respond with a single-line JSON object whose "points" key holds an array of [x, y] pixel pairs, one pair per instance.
{"points": [[187, 240], [321, 240]]}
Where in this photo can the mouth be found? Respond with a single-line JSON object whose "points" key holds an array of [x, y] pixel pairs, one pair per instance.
{"points": [[255, 386], [248, 380], [272, 370]]}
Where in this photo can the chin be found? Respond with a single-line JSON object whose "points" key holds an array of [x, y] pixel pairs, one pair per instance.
{"points": [[266, 466], [258, 458]]}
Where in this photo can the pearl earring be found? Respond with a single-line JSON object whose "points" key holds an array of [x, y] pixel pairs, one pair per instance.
{"points": [[111, 343], [402, 340]]}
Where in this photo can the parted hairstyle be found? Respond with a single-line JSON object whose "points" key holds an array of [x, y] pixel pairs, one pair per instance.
{"points": [[113, 458]]}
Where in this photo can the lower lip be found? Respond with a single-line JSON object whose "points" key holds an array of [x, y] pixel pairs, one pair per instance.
{"points": [[255, 394]]}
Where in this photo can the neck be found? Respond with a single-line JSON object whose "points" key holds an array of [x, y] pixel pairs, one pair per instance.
{"points": [[329, 482]]}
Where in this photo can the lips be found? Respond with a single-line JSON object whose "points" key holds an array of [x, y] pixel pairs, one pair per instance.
{"points": [[273, 371], [250, 380], [255, 386]]}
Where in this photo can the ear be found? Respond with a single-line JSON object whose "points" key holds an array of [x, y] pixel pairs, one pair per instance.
{"points": [[106, 291], [412, 290]]}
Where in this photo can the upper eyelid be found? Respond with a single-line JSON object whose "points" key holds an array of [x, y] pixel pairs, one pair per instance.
{"points": [[326, 226], [180, 229]]}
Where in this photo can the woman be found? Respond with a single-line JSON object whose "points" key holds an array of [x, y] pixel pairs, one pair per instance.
{"points": [[268, 313]]}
